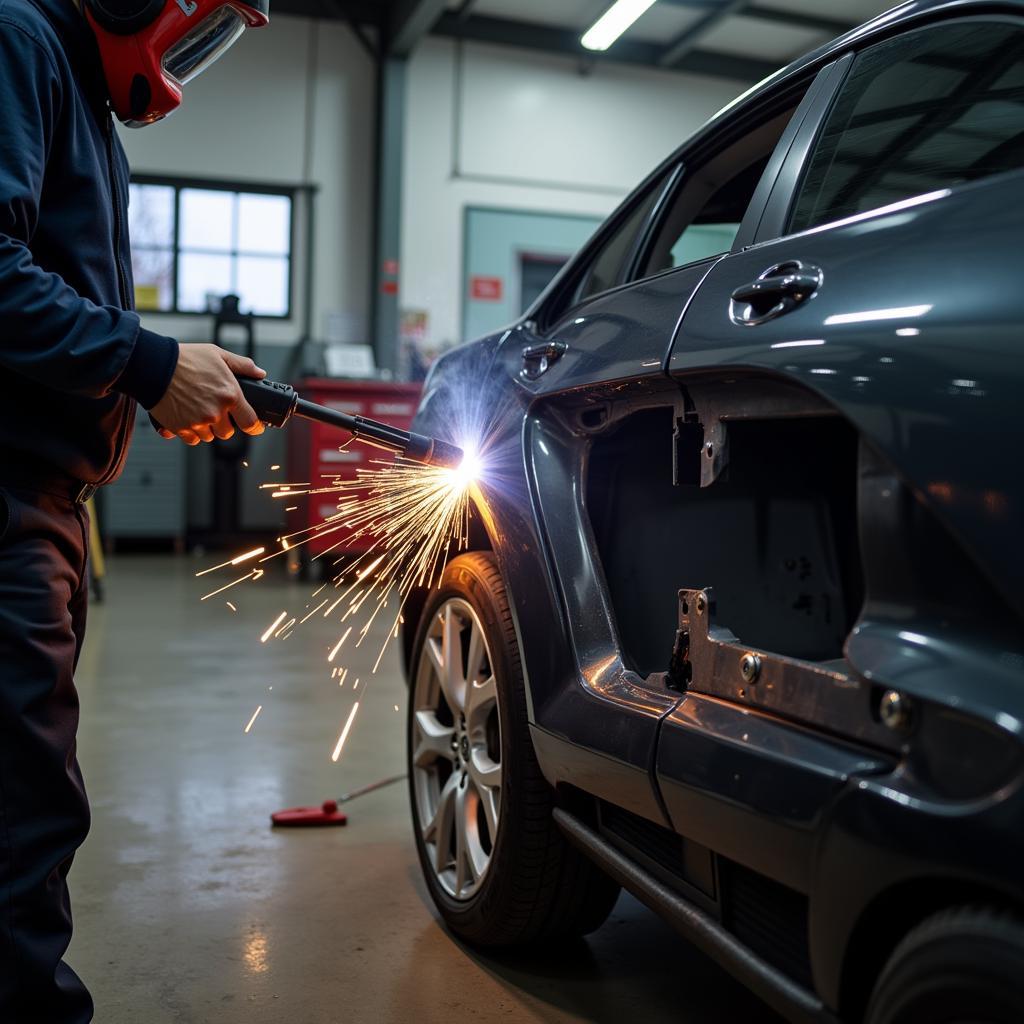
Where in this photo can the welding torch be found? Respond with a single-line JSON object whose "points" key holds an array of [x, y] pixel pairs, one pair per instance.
{"points": [[275, 404]]}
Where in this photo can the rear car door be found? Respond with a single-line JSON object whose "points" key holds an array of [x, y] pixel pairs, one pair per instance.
{"points": [[887, 228], [593, 349]]}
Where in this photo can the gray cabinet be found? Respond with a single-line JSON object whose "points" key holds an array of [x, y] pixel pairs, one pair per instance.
{"points": [[149, 498]]}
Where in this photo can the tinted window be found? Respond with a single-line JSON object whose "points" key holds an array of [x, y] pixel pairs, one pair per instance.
{"points": [[927, 110], [709, 204], [606, 267]]}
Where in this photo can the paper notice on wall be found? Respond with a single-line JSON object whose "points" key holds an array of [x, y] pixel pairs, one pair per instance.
{"points": [[349, 360]]}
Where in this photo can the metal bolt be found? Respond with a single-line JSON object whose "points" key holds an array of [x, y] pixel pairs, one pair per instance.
{"points": [[701, 604], [895, 710], [750, 666]]}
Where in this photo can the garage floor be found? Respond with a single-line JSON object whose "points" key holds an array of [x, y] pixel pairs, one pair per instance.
{"points": [[191, 909]]}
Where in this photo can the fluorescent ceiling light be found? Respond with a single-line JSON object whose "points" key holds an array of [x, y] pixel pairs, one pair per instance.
{"points": [[613, 23]]}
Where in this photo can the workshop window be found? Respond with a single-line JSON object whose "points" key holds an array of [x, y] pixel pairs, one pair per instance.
{"points": [[927, 110], [191, 244]]}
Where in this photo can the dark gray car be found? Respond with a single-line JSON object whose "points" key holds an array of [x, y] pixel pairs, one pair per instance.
{"points": [[741, 626]]}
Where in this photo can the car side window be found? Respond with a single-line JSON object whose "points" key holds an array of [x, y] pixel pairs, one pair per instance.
{"points": [[711, 199], [606, 267], [926, 110]]}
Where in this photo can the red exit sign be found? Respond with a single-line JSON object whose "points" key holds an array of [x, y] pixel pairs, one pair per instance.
{"points": [[486, 289]]}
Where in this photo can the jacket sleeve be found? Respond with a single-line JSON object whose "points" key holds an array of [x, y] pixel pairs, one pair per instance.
{"points": [[48, 332]]}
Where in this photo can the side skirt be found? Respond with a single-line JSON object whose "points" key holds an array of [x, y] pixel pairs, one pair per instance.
{"points": [[698, 927]]}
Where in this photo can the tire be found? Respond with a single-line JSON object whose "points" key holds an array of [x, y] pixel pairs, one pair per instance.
{"points": [[510, 878], [962, 966]]}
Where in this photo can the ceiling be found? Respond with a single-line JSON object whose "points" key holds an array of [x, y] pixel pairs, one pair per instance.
{"points": [[737, 39]]}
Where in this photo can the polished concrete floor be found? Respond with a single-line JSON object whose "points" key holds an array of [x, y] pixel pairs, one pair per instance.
{"points": [[191, 909]]}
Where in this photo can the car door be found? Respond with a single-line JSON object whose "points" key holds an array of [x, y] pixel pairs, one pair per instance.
{"points": [[885, 233], [596, 344]]}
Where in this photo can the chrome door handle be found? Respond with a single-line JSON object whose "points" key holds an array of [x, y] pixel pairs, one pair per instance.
{"points": [[537, 359], [778, 290]]}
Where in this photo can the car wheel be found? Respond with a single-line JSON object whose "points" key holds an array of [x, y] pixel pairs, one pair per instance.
{"points": [[498, 870], [961, 966]]}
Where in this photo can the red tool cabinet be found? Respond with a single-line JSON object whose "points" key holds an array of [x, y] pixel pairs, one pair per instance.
{"points": [[313, 449]]}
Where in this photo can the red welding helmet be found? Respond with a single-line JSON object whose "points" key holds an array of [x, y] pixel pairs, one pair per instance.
{"points": [[151, 48]]}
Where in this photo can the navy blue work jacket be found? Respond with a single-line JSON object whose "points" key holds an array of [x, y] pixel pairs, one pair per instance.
{"points": [[73, 356]]}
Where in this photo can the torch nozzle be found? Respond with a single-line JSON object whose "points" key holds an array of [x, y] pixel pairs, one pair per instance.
{"points": [[276, 403]]}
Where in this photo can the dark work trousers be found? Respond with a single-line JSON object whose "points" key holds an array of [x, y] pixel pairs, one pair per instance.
{"points": [[44, 813]]}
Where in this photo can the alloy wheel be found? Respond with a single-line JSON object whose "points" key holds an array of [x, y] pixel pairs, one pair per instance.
{"points": [[456, 749]]}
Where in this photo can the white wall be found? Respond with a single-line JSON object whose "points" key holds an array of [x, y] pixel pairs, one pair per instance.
{"points": [[245, 119], [516, 130]]}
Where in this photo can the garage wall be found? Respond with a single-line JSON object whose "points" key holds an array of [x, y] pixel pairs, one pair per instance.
{"points": [[493, 127], [292, 104], [485, 126]]}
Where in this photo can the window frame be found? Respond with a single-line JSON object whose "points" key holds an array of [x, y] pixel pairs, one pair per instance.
{"points": [[563, 298], [178, 183], [781, 204]]}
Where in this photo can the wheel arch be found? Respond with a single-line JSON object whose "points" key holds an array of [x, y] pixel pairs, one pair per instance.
{"points": [[890, 916]]}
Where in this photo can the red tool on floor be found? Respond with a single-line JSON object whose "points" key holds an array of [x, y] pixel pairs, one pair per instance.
{"points": [[327, 813]]}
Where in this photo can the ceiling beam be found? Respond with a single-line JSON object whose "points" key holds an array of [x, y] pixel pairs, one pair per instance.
{"points": [[830, 26], [363, 12], [687, 40], [795, 19], [566, 42], [410, 21]]}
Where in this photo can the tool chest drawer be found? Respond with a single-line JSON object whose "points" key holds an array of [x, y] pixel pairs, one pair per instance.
{"points": [[320, 454]]}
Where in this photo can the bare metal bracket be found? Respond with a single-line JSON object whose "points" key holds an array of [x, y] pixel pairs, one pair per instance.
{"points": [[717, 402], [710, 659]]}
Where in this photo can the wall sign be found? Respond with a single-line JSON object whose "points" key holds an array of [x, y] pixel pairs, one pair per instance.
{"points": [[486, 289]]}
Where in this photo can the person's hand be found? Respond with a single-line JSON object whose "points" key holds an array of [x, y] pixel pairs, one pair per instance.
{"points": [[203, 397]]}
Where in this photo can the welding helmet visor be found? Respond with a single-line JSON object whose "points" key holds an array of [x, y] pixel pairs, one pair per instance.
{"points": [[147, 66]]}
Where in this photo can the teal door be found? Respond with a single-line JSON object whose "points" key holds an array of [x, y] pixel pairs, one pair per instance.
{"points": [[509, 258]]}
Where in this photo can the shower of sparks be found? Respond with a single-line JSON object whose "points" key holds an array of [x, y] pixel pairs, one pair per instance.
{"points": [[337, 646], [344, 732], [270, 629], [255, 715], [274, 468], [231, 606], [254, 575], [387, 533], [234, 561]]}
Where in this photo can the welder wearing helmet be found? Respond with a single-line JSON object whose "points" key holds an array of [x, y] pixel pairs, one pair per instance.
{"points": [[75, 361]]}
